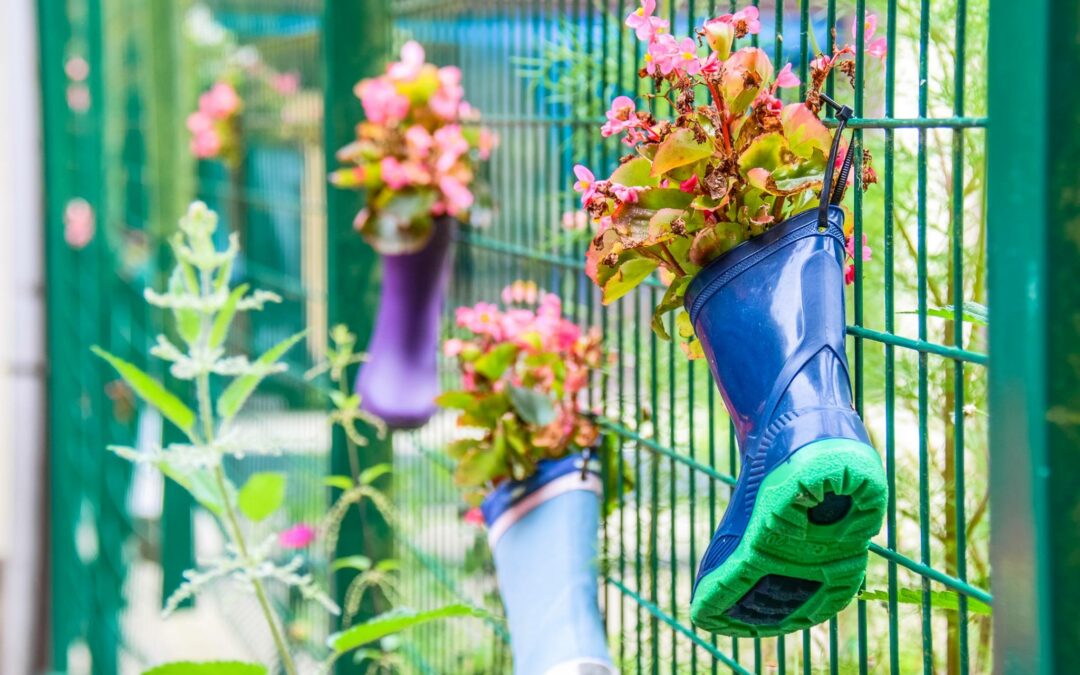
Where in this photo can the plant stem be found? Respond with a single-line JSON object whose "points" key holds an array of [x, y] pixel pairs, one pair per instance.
{"points": [[206, 416]]}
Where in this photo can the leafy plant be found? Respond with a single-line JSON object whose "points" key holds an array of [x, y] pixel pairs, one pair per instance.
{"points": [[522, 373], [717, 174], [204, 307], [415, 154]]}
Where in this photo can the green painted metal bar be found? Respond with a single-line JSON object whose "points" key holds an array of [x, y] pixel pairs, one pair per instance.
{"points": [[1033, 247], [351, 265]]}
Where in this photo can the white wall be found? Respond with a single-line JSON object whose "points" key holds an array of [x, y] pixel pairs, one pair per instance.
{"points": [[22, 411]]}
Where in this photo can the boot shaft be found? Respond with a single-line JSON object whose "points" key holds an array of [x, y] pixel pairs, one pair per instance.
{"points": [[770, 317]]}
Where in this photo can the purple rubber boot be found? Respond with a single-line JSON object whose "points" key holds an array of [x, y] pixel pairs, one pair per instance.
{"points": [[398, 383]]}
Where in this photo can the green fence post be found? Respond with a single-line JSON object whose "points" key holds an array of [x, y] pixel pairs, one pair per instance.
{"points": [[1034, 240], [355, 43]]}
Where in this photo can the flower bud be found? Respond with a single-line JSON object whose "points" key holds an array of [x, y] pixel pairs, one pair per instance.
{"points": [[719, 34]]}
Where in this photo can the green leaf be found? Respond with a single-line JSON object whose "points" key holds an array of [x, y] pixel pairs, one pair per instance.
{"points": [[208, 668], [533, 406], [635, 173], [626, 277], [151, 391], [972, 312], [351, 562], [220, 330], [712, 242], [455, 400], [679, 149], [804, 131], [673, 299], [340, 482], [947, 600], [392, 622], [493, 364], [765, 152], [238, 391], [374, 473], [261, 495]]}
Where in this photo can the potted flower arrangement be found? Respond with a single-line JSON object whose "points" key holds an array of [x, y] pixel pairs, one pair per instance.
{"points": [[529, 463], [736, 201], [415, 156]]}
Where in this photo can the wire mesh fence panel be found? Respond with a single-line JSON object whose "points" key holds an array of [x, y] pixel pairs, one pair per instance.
{"points": [[542, 73]]}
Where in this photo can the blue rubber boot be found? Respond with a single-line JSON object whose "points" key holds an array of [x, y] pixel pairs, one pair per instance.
{"points": [[791, 549], [542, 532]]}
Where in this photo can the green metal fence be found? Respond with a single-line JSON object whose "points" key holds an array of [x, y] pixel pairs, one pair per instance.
{"points": [[541, 71]]}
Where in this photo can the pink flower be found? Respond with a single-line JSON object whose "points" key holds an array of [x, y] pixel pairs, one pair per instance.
{"points": [[206, 144], [474, 516], [877, 48], [221, 101], [297, 536], [746, 21], [663, 55], [382, 102], [625, 194], [586, 183], [645, 25], [482, 319], [78, 223], [785, 78], [451, 145], [486, 142], [620, 117], [458, 197], [286, 83], [412, 60], [687, 60], [575, 221], [452, 347], [867, 252], [393, 173], [447, 102], [418, 141]]}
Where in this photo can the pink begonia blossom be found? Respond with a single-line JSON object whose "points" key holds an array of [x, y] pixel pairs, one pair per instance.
{"points": [[418, 141], [786, 79], [575, 221], [451, 145], [877, 48], [447, 100], [79, 223], [746, 21], [286, 83], [482, 319], [662, 55], [585, 184], [198, 122], [412, 61], [474, 516], [620, 117], [206, 144], [452, 347], [687, 60], [382, 102], [297, 536], [458, 197], [645, 25], [625, 194], [220, 101], [867, 252], [393, 173]]}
